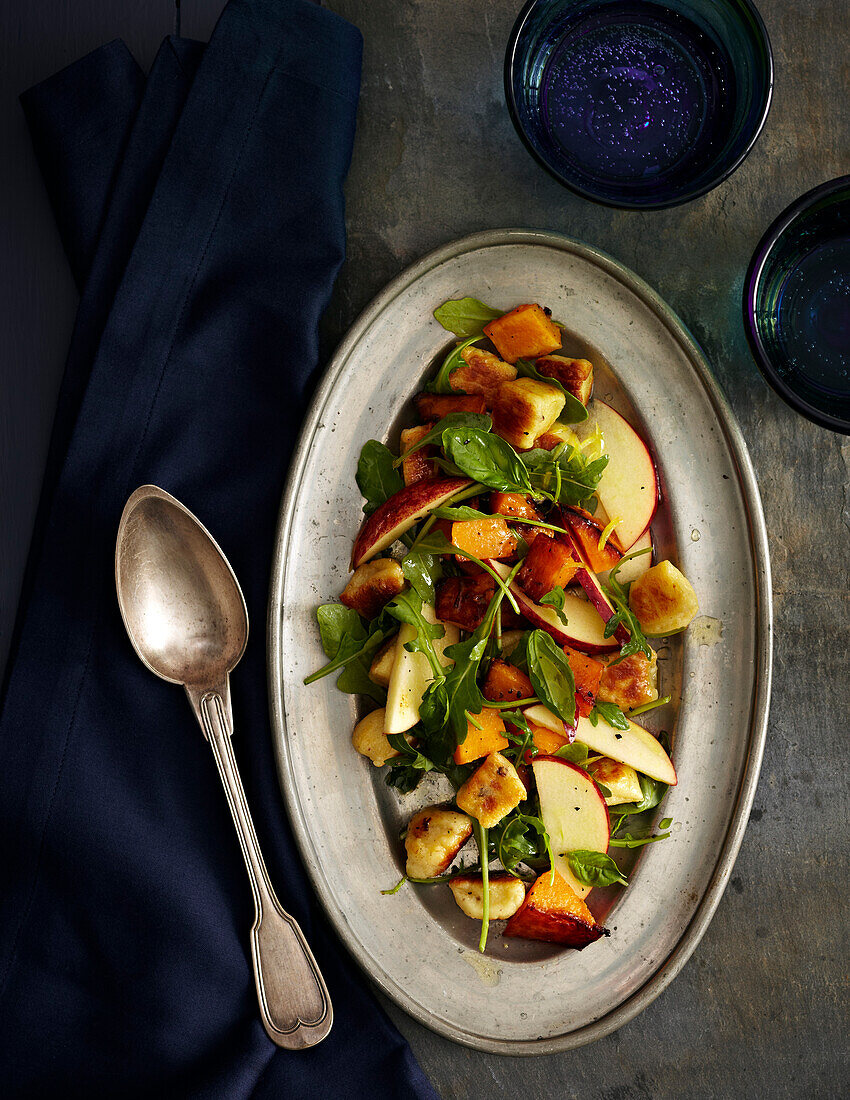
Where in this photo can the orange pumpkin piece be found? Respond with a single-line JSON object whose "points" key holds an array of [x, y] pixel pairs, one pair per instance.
{"points": [[546, 741], [586, 533], [481, 742], [434, 406], [484, 538], [504, 683], [587, 673], [553, 912], [513, 504], [524, 333], [464, 600], [550, 563], [420, 466]]}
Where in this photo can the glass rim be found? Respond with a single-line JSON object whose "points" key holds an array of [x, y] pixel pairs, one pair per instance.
{"points": [[625, 204], [752, 280]]}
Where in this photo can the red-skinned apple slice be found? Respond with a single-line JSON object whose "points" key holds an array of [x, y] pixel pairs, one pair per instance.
{"points": [[574, 812], [634, 746], [635, 567], [584, 629], [628, 488], [539, 715], [398, 514]]}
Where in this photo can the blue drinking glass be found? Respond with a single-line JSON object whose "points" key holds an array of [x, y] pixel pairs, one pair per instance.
{"points": [[797, 305], [639, 104]]}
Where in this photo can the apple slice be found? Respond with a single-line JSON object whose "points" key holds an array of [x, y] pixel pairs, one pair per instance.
{"points": [[539, 715], [411, 674], [592, 588], [634, 746], [584, 629], [398, 514], [574, 812], [628, 488], [634, 567]]}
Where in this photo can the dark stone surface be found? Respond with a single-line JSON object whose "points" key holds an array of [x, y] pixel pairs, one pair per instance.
{"points": [[762, 1005]]}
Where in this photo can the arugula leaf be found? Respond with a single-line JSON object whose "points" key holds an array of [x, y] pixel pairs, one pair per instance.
{"points": [[556, 597], [350, 648], [407, 608], [563, 474], [551, 675], [629, 841], [576, 753], [465, 316], [440, 383], [377, 477], [521, 837], [573, 411], [480, 834], [455, 421], [595, 868], [612, 715], [660, 702], [516, 718], [435, 542], [487, 459], [618, 594]]}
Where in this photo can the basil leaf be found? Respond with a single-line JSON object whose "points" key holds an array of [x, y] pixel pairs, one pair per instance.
{"points": [[459, 513], [487, 459], [377, 478], [652, 791], [465, 316], [422, 571], [612, 715], [454, 359], [576, 753], [351, 648], [551, 675], [595, 868], [556, 598], [573, 411], [455, 420]]}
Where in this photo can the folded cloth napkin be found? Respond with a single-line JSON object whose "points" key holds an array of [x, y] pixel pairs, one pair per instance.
{"points": [[202, 214]]}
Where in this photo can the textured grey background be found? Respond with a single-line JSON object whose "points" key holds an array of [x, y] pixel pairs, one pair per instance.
{"points": [[762, 1007]]}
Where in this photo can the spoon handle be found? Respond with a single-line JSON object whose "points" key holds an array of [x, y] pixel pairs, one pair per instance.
{"points": [[294, 1003]]}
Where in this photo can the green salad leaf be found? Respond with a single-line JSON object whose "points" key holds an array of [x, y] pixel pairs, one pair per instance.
{"points": [[407, 608], [595, 868], [556, 598], [466, 316], [351, 648], [612, 715], [573, 411], [455, 421], [576, 753], [487, 459], [551, 675], [459, 513], [377, 476], [440, 383], [563, 474]]}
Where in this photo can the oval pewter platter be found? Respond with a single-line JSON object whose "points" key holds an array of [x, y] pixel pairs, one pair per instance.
{"points": [[416, 945]]}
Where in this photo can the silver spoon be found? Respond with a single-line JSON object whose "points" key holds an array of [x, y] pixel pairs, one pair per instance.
{"points": [[186, 617]]}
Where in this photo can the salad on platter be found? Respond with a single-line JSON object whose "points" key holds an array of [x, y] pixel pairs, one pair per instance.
{"points": [[498, 622]]}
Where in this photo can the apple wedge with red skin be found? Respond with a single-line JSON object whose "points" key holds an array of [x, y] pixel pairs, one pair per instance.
{"points": [[635, 746], [585, 626], [574, 813], [399, 513], [628, 488]]}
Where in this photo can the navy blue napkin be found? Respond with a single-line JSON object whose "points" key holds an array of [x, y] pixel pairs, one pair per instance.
{"points": [[202, 213]]}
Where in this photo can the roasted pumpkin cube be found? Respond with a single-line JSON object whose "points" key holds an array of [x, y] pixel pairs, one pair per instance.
{"points": [[586, 534], [546, 741], [550, 563], [483, 372], [524, 333], [374, 583], [575, 375], [554, 913], [587, 672], [370, 740], [382, 664], [629, 683], [506, 895], [484, 538], [504, 683], [620, 779], [464, 600], [490, 737], [663, 599], [434, 406], [435, 835], [514, 504], [492, 791], [524, 409], [420, 466]]}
